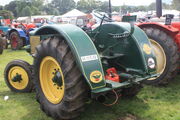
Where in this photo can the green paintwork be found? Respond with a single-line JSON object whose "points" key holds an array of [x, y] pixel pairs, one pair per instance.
{"points": [[131, 48], [120, 41], [81, 45], [115, 85]]}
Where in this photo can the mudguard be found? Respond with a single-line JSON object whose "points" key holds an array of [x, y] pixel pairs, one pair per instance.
{"points": [[83, 49], [135, 46]]}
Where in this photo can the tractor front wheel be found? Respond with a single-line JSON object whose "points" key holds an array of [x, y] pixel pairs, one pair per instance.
{"points": [[60, 87], [166, 52], [18, 76], [15, 41]]}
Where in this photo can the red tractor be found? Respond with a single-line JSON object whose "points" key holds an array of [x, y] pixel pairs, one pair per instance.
{"points": [[165, 39]]}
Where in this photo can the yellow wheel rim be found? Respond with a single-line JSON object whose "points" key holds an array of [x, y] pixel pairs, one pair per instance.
{"points": [[17, 70], [49, 70], [160, 57]]}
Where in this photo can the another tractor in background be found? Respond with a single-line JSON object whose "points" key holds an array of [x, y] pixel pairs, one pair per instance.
{"points": [[165, 40], [19, 35], [4, 27]]}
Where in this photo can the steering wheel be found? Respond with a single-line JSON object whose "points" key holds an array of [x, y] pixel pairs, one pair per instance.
{"points": [[102, 16]]}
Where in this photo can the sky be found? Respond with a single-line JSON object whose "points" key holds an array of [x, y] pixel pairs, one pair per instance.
{"points": [[114, 2]]}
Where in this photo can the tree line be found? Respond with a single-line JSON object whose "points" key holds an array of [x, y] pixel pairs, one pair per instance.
{"points": [[18, 8]]}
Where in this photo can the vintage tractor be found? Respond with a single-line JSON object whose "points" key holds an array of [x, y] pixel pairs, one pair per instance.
{"points": [[3, 27], [71, 65], [165, 39], [19, 36], [4, 30]]}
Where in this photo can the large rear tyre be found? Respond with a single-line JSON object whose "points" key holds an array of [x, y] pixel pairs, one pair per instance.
{"points": [[16, 41], [60, 87], [18, 76], [166, 54]]}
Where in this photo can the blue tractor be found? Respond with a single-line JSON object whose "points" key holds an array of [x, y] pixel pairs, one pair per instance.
{"points": [[19, 36], [3, 32], [3, 27]]}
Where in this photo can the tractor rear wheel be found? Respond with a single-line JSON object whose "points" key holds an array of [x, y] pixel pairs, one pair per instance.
{"points": [[166, 54], [60, 87], [16, 41], [18, 76], [1, 45]]}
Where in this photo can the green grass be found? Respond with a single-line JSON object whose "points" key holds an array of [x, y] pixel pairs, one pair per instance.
{"points": [[151, 103]]}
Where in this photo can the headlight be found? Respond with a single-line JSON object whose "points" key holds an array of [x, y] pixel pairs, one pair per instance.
{"points": [[151, 63]]}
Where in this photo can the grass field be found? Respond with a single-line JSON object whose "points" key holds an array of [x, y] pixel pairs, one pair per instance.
{"points": [[151, 103]]}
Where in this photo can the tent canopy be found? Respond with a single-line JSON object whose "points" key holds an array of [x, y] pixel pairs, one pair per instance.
{"points": [[74, 13]]}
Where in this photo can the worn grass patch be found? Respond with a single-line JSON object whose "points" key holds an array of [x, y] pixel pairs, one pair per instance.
{"points": [[151, 103]]}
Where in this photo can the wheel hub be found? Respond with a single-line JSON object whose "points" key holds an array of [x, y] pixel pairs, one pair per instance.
{"points": [[52, 80], [160, 57], [57, 79], [17, 78]]}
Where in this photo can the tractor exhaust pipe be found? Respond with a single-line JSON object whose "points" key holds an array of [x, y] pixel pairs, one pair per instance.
{"points": [[158, 8], [101, 98], [110, 9]]}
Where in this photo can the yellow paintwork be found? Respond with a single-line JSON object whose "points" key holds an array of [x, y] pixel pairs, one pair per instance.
{"points": [[147, 49], [25, 79], [160, 57], [96, 73], [52, 92]]}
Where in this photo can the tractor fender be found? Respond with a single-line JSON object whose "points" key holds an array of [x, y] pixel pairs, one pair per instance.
{"points": [[172, 30], [137, 48], [169, 29], [82, 47]]}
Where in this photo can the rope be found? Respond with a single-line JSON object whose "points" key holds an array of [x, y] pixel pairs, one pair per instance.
{"points": [[117, 98]]}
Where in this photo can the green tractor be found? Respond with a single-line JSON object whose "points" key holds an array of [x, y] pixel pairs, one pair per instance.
{"points": [[71, 66]]}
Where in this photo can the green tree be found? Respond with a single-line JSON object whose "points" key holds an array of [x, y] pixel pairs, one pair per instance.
{"points": [[1, 7], [6, 14], [63, 6], [12, 7], [176, 4], [34, 7], [104, 6], [26, 11], [88, 5]]}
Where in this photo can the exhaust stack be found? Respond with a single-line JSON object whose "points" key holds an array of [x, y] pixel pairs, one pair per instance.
{"points": [[158, 8]]}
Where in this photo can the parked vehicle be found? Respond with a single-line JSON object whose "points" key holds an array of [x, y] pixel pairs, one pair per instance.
{"points": [[71, 66], [19, 36], [3, 27], [165, 40]]}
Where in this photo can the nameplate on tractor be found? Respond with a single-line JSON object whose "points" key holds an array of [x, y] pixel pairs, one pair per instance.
{"points": [[89, 58]]}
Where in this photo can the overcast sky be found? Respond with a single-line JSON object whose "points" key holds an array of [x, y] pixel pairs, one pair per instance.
{"points": [[114, 2]]}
